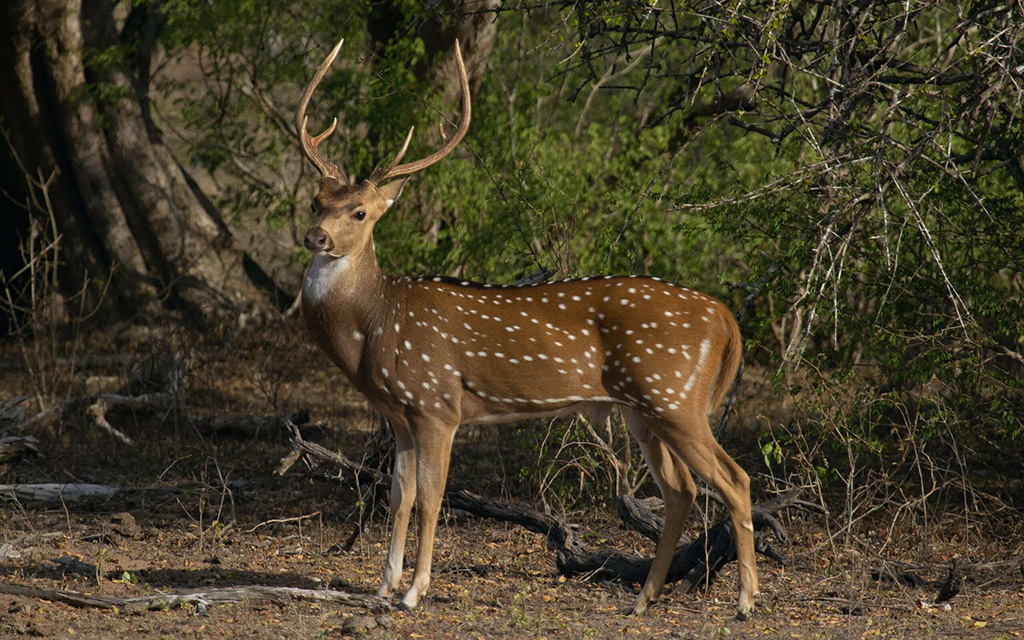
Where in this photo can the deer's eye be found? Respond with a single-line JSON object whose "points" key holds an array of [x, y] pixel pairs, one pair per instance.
{"points": [[359, 215]]}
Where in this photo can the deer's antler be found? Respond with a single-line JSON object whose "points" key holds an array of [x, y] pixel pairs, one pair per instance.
{"points": [[326, 168], [394, 170]]}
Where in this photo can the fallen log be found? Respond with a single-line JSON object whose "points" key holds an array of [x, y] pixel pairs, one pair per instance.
{"points": [[201, 598], [13, 448], [61, 595], [638, 516], [96, 407], [49, 417], [58, 492], [695, 563], [10, 412]]}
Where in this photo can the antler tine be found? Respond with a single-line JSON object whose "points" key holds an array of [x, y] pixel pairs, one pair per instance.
{"points": [[310, 144], [323, 136], [392, 171], [381, 173]]}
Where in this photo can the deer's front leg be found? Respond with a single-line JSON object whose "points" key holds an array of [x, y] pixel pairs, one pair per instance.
{"points": [[403, 494], [433, 450]]}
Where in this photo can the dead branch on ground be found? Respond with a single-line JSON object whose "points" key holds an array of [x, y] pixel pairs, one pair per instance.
{"points": [[14, 448], [59, 492], [97, 407], [201, 598]]}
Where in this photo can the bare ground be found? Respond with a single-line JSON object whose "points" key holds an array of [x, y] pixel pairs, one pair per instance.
{"points": [[208, 511]]}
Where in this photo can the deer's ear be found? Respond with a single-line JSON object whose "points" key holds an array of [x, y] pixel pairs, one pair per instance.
{"points": [[392, 190]]}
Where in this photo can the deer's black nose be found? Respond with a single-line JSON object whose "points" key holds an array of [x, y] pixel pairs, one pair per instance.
{"points": [[316, 239]]}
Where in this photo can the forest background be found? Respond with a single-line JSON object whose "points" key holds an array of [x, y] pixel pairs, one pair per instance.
{"points": [[848, 176]]}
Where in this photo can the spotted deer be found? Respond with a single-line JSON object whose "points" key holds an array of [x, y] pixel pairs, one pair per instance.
{"points": [[433, 353]]}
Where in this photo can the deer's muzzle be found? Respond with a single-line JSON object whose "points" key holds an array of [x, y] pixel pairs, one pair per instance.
{"points": [[317, 240]]}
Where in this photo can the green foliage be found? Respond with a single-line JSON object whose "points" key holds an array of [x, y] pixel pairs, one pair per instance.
{"points": [[534, 185], [870, 185]]}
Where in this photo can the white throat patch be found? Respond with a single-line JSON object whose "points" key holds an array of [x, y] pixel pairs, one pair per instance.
{"points": [[321, 276]]}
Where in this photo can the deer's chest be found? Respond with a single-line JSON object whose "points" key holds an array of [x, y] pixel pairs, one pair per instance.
{"points": [[321, 276]]}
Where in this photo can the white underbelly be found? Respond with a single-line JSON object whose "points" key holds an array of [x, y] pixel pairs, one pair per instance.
{"points": [[597, 408]]}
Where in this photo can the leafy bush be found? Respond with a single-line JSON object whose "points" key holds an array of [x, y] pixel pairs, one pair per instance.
{"points": [[858, 176]]}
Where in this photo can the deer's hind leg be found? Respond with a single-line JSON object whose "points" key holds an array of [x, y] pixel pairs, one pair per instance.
{"points": [[678, 491], [688, 435]]}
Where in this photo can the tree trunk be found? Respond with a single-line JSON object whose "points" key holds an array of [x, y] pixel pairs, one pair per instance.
{"points": [[124, 208], [473, 22]]}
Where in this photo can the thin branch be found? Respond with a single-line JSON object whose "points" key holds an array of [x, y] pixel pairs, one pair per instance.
{"points": [[200, 598]]}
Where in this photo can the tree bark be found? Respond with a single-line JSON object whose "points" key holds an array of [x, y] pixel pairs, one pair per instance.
{"points": [[472, 22], [123, 206]]}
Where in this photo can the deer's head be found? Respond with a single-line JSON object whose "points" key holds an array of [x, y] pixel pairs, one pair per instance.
{"points": [[346, 213]]}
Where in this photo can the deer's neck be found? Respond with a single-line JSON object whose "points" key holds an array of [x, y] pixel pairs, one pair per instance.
{"points": [[344, 302]]}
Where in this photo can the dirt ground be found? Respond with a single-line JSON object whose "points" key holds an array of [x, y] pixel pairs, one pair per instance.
{"points": [[206, 510]]}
